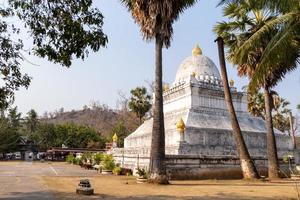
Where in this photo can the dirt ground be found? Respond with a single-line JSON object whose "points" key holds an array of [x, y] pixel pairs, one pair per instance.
{"points": [[125, 188], [50, 181]]}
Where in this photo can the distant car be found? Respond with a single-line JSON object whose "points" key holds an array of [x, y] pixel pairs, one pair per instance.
{"points": [[18, 157]]}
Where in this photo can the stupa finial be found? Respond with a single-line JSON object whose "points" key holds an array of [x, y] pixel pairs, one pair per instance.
{"points": [[115, 137], [197, 50]]}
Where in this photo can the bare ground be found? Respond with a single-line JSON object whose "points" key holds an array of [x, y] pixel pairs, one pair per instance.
{"points": [[37, 181], [125, 188]]}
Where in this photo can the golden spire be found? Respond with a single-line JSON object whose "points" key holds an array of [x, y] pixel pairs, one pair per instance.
{"points": [[180, 126], [166, 87], [115, 138], [231, 83], [197, 51], [194, 74]]}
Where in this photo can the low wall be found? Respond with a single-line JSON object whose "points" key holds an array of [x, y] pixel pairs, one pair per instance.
{"points": [[197, 167]]}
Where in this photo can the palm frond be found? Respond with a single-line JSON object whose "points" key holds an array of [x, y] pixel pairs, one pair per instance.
{"points": [[156, 17]]}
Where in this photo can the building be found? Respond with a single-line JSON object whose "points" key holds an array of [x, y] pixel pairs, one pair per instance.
{"points": [[198, 133]]}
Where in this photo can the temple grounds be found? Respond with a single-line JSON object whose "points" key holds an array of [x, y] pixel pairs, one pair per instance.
{"points": [[23, 180]]}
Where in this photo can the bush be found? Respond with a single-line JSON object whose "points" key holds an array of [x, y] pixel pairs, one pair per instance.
{"points": [[108, 162], [98, 158], [87, 156], [70, 159], [77, 161], [142, 172], [287, 156], [117, 170]]}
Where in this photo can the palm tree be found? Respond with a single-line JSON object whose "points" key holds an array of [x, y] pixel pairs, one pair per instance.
{"points": [[247, 18], [247, 166], [280, 114], [283, 43], [155, 18]]}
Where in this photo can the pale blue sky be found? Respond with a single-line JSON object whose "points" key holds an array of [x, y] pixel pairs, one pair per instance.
{"points": [[127, 62]]}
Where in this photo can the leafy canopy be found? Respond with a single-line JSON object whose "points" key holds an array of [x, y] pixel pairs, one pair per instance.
{"points": [[246, 19], [139, 102], [284, 45], [9, 131], [61, 30], [280, 114]]}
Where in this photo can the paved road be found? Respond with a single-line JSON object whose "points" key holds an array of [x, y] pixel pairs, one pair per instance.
{"points": [[21, 180]]}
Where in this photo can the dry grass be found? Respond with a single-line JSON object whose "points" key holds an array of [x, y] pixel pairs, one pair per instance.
{"points": [[123, 188]]}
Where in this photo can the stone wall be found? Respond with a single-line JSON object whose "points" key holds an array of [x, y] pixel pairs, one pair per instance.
{"points": [[194, 167]]}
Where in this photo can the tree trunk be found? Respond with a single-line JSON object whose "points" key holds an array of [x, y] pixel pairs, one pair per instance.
{"points": [[157, 155], [292, 130], [273, 166], [140, 120], [247, 165]]}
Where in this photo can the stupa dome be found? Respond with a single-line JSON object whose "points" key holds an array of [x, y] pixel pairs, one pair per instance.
{"points": [[200, 66]]}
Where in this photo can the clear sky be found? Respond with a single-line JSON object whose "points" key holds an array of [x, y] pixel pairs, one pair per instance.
{"points": [[127, 62]]}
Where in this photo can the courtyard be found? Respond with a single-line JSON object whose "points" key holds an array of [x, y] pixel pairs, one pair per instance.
{"points": [[53, 180]]}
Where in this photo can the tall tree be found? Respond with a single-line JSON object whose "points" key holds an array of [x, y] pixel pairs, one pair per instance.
{"points": [[247, 165], [139, 102], [155, 18], [32, 120], [283, 43], [61, 30], [14, 118], [280, 114], [246, 18], [9, 131], [9, 137]]}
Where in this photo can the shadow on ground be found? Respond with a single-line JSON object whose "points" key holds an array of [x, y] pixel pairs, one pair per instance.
{"points": [[67, 196]]}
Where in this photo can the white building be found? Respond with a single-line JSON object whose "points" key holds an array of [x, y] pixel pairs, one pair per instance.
{"points": [[196, 97]]}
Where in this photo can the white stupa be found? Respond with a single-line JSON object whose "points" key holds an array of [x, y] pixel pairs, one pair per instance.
{"points": [[196, 101]]}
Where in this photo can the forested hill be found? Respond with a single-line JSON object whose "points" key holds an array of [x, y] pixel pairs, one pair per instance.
{"points": [[101, 118]]}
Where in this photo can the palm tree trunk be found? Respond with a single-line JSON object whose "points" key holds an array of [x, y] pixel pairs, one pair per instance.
{"points": [[157, 155], [292, 130], [273, 166], [247, 165]]}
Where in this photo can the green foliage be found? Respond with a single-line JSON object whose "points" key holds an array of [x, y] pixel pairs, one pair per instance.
{"points": [[77, 161], [247, 18], [71, 135], [280, 114], [281, 51], [61, 30], [117, 170], [70, 159], [287, 156], [87, 157], [298, 106], [31, 120], [98, 158], [139, 102], [142, 172], [14, 118], [9, 136], [108, 162]]}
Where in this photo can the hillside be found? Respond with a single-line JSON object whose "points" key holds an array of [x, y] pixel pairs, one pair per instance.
{"points": [[101, 118]]}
